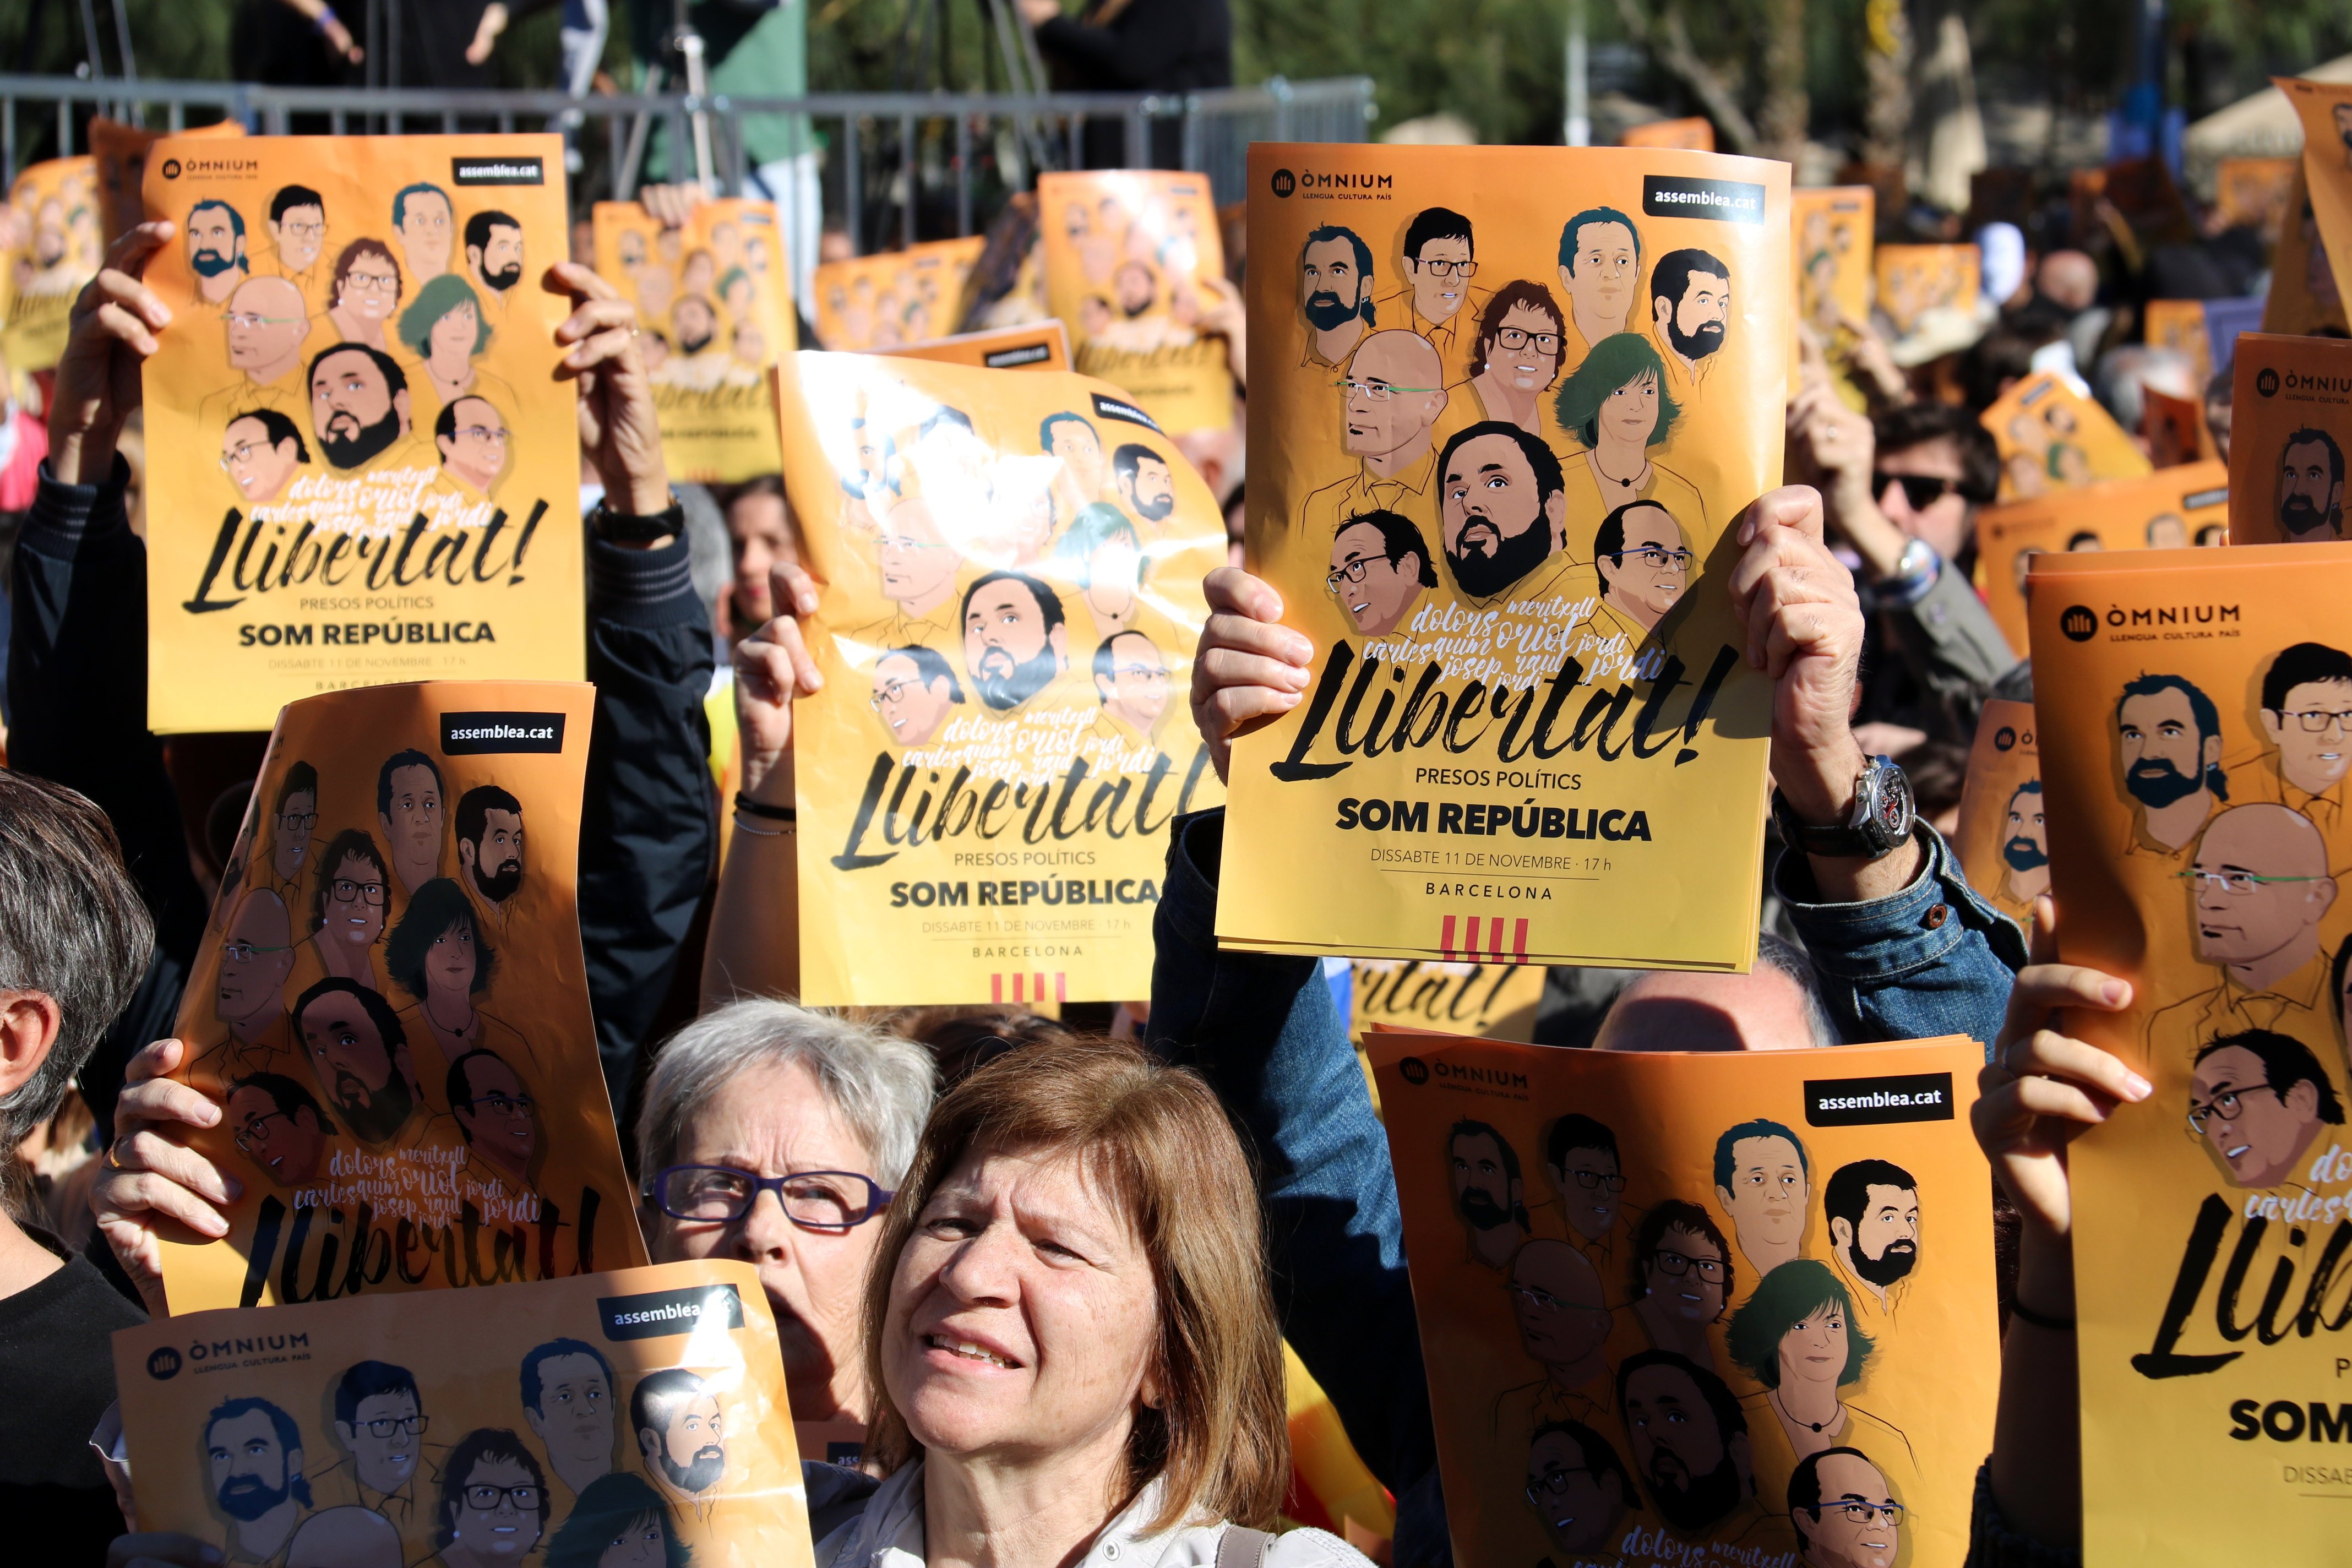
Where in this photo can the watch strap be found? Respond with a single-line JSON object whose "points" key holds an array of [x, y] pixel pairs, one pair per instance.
{"points": [[627, 528]]}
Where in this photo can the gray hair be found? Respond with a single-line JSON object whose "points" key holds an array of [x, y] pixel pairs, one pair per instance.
{"points": [[882, 1085], [72, 927], [1778, 953]]}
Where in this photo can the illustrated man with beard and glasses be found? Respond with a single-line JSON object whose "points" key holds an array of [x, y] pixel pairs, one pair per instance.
{"points": [[217, 249], [493, 1503], [917, 567], [359, 1058], [1144, 482], [1335, 293], [1844, 1511], [490, 849], [1562, 1313], [1683, 1279], [2025, 847], [257, 955], [498, 1119], [1437, 301], [1502, 514], [1132, 684], [914, 690], [2259, 1098], [2259, 893], [494, 255], [1488, 1192], [1581, 1492], [1581, 1159], [2169, 740], [1379, 568], [379, 1421], [298, 233], [408, 813], [474, 442], [1390, 401], [2306, 715], [1763, 1182], [278, 1125], [567, 1397], [2311, 487], [359, 405], [1690, 1446], [1690, 310], [1872, 1208], [1600, 264], [254, 1454], [1014, 642], [422, 216], [681, 1437]]}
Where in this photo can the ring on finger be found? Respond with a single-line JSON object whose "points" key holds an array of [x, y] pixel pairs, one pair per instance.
{"points": [[114, 1153]]}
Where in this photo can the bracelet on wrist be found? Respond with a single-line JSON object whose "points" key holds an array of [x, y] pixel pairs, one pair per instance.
{"points": [[2050, 1321], [745, 804], [742, 827]]}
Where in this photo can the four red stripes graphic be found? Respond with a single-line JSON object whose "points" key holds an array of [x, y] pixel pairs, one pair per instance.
{"points": [[1031, 987], [1490, 950]]}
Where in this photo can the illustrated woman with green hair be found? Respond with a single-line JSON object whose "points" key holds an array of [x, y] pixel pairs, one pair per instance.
{"points": [[444, 327], [1616, 406], [1798, 1337]]}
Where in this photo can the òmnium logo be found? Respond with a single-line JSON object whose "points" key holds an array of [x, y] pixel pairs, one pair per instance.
{"points": [[163, 1363], [1284, 183], [171, 168], [2080, 623], [2004, 739], [1415, 1071], [2266, 382]]}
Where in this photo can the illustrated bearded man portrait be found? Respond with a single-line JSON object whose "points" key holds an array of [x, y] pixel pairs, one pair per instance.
{"points": [[2311, 486], [297, 228], [267, 323], [2168, 738], [489, 844], [914, 690], [1643, 560], [567, 1397], [1578, 1487], [1144, 482], [1334, 291], [217, 249], [1014, 641], [1845, 1513], [1488, 1192], [1763, 1180], [359, 405], [494, 251], [679, 1431], [1599, 263], [259, 452], [1690, 308], [1690, 1441], [1872, 1208], [1501, 505], [359, 1058], [278, 1125], [2306, 715], [493, 1503], [380, 1420], [1379, 568], [2025, 846], [2259, 1100], [253, 1453]]}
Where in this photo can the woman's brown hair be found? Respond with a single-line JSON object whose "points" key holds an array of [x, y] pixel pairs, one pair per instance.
{"points": [[1158, 1144]]}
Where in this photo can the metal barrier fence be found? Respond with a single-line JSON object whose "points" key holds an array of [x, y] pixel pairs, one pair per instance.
{"points": [[877, 158]]}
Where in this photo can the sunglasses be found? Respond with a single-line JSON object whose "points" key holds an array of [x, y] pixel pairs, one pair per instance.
{"points": [[1922, 490]]}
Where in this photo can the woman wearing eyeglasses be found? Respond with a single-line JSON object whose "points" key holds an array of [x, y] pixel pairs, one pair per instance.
{"points": [[1520, 334], [1682, 1280]]}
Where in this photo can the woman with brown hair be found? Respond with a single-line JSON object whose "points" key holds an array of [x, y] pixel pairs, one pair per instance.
{"points": [[1069, 1333]]}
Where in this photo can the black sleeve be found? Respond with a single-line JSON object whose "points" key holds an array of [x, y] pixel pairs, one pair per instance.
{"points": [[1150, 44], [649, 833], [77, 701]]}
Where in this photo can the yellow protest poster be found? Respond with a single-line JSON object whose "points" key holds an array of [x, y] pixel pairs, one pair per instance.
{"points": [[58, 206], [637, 1416], [1835, 226], [1011, 565], [2291, 424], [119, 152], [1531, 735], [1914, 280], [360, 465], [899, 296], [2326, 110], [2053, 438], [1495, 1001], [1129, 255], [1032, 345], [2002, 839], [391, 1008], [2173, 427], [715, 308], [2195, 711], [2185, 505], [1698, 1309], [2180, 325], [2254, 192], [2306, 296], [1693, 134]]}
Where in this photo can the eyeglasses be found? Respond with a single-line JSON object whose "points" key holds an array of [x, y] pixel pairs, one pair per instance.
{"points": [[348, 892], [900, 541], [830, 1201], [298, 818], [1551, 1484], [1543, 1301], [1145, 673], [2237, 884], [1377, 391], [1656, 558], [245, 951], [1859, 1513], [2317, 720], [1515, 339], [385, 1426], [489, 432], [485, 1498], [1922, 490], [378, 282], [516, 1105], [288, 228], [1446, 269], [1593, 1180], [1353, 571], [2224, 1105], [256, 1129], [892, 691], [249, 320], [1675, 1263], [245, 452]]}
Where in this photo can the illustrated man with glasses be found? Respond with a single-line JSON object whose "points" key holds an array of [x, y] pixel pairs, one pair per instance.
{"points": [[493, 1505], [1379, 568], [2307, 716], [2259, 889], [379, 1421], [1872, 1208], [1580, 1488], [1437, 301], [260, 450], [1563, 1317], [278, 1126], [914, 690], [1645, 563], [475, 443], [498, 1119], [1132, 684], [1681, 1278], [298, 233], [917, 566], [1581, 1159], [2259, 1100], [1845, 1513], [1391, 400], [267, 323], [256, 956]]}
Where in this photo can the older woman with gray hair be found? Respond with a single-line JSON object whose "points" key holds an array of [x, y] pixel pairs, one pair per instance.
{"points": [[773, 1135]]}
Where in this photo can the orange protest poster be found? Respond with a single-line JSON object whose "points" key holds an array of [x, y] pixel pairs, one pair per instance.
{"points": [[2254, 192], [2307, 298], [2002, 839], [637, 1416], [1833, 254], [1133, 264], [1677, 1309], [391, 1008], [1693, 134], [2173, 427], [2180, 325], [2194, 712], [2053, 438], [1914, 280], [1495, 1001], [119, 153], [57, 203], [2290, 426], [1033, 345], [2326, 110], [898, 297], [2188, 505]]}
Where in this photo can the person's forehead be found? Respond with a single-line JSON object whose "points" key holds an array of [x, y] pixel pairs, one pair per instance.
{"points": [[1526, 313], [425, 201], [1326, 251], [1453, 244], [1609, 235], [1473, 1145], [1850, 1475], [2232, 1065], [496, 1468], [1483, 453], [896, 667], [338, 1011], [1001, 596], [2170, 703], [1936, 457], [302, 210], [348, 363], [567, 1367], [1557, 1267], [2314, 454], [486, 1074], [414, 775], [1554, 1450], [255, 430], [1652, 525], [245, 1425], [1137, 646], [392, 1397], [250, 1099], [479, 409], [1663, 1386], [1575, 1158], [1358, 539], [1883, 1194], [1765, 1148], [1689, 1243]]}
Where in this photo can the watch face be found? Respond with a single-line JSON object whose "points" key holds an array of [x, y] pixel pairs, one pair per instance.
{"points": [[1894, 802]]}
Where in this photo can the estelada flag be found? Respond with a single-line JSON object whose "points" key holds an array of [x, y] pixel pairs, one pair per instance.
{"points": [[714, 305], [2193, 711], [548, 1422], [2053, 438], [1673, 1303], [1011, 567], [2291, 426], [391, 1008], [2187, 505], [1499, 504], [2002, 837], [57, 207], [361, 464]]}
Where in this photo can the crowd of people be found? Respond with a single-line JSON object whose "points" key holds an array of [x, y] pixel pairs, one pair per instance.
{"points": [[1048, 1272]]}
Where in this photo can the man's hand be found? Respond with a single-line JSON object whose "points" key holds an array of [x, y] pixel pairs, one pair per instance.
{"points": [[1038, 13], [618, 430], [148, 1180], [485, 34], [1803, 624], [114, 323], [1250, 669], [1839, 441], [773, 666], [671, 205]]}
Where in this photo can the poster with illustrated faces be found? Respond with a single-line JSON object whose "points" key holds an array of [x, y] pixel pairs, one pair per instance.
{"points": [[1010, 567], [2003, 837], [1698, 1309], [2187, 505], [119, 152], [2180, 325], [714, 310], [391, 1009], [2173, 427], [2254, 192], [1495, 1001], [1498, 448], [636, 1418], [2291, 422], [899, 296], [2305, 298], [2196, 732], [361, 464], [1915, 280], [2326, 110], [56, 206], [1030, 345], [1133, 262], [2053, 438], [1834, 229]]}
